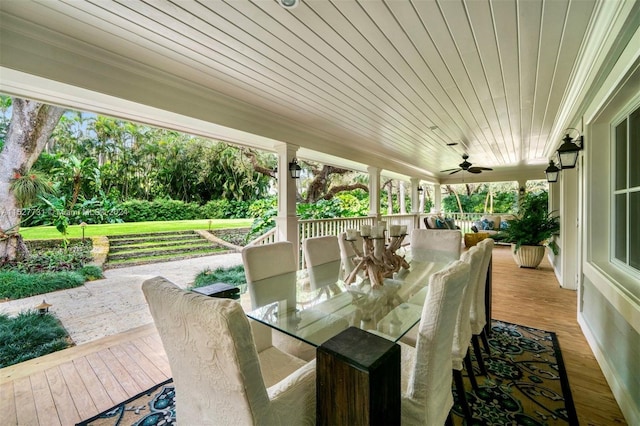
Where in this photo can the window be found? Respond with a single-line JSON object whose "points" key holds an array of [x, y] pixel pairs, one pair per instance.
{"points": [[626, 194]]}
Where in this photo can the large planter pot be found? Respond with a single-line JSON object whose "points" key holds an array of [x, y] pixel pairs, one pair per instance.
{"points": [[528, 256]]}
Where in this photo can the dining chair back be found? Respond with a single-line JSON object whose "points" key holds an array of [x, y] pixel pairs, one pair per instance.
{"points": [[270, 270], [271, 273], [478, 307], [462, 336], [347, 253], [426, 369], [432, 241], [322, 255], [220, 375]]}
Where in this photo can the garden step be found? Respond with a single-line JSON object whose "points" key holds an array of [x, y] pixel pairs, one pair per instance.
{"points": [[151, 234], [167, 243], [205, 245], [141, 261], [159, 252], [137, 240], [129, 250]]}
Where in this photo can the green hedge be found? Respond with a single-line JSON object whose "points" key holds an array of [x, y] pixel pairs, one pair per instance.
{"points": [[16, 285], [149, 211]]}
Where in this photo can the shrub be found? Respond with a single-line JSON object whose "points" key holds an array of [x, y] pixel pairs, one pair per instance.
{"points": [[225, 209], [51, 257], [160, 209], [237, 237], [91, 272], [233, 276], [16, 285], [261, 207], [30, 335]]}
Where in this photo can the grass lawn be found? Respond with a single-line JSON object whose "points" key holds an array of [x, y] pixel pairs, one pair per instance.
{"points": [[75, 231]]}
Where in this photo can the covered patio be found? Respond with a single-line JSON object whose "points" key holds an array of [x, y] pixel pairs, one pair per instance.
{"points": [[78, 383], [400, 89]]}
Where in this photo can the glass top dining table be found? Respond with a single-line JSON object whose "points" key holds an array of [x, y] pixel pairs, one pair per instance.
{"points": [[314, 305]]}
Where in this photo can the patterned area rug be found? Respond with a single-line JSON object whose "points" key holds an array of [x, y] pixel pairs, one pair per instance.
{"points": [[526, 385], [526, 382]]}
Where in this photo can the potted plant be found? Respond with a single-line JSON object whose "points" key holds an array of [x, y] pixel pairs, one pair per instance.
{"points": [[532, 229]]}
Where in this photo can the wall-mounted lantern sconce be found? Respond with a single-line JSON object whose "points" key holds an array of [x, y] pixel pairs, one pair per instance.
{"points": [[420, 189], [568, 151], [552, 172], [521, 191], [294, 168]]}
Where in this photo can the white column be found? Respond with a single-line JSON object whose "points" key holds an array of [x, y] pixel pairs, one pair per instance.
{"points": [[416, 203], [437, 198], [287, 221], [374, 192], [401, 195]]}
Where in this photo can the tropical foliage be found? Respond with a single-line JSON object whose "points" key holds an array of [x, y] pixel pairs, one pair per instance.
{"points": [[105, 170], [534, 224]]}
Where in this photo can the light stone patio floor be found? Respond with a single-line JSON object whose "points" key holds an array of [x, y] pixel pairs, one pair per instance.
{"points": [[115, 304]]}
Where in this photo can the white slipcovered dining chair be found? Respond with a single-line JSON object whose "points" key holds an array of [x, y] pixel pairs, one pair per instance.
{"points": [[322, 255], [427, 369], [223, 373], [447, 241], [347, 253], [271, 270], [478, 315], [462, 336]]}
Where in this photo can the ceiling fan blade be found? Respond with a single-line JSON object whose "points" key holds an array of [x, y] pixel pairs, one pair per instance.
{"points": [[484, 168], [474, 170], [448, 170], [455, 171]]}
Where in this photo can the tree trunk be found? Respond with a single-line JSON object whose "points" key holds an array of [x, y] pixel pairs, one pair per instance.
{"points": [[31, 126], [389, 183], [401, 195]]}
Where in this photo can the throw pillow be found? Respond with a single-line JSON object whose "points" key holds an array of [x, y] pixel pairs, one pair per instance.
{"points": [[441, 224], [504, 225], [450, 223], [487, 225]]}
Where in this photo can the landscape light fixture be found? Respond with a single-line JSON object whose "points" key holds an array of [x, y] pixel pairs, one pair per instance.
{"points": [[552, 172], [294, 168], [83, 225], [420, 189], [568, 151], [43, 308]]}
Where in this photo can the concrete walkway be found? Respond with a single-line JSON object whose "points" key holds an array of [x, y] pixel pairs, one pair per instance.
{"points": [[115, 304]]}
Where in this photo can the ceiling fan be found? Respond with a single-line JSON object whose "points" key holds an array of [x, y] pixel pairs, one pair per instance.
{"points": [[466, 166]]}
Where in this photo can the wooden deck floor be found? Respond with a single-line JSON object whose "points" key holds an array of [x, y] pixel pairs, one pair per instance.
{"points": [[69, 386]]}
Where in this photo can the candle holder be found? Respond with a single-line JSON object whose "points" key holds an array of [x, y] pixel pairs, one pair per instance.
{"points": [[377, 259]]}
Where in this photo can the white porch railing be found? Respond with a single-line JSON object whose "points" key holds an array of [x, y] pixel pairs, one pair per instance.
{"points": [[322, 227], [266, 238]]}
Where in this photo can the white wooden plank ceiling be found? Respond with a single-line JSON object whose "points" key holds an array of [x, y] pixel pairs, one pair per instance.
{"points": [[397, 78]]}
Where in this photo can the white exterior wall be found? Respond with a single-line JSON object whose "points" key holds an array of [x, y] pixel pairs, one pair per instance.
{"points": [[608, 295]]}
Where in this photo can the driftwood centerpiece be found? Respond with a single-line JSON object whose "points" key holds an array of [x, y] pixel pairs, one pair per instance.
{"points": [[377, 259]]}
